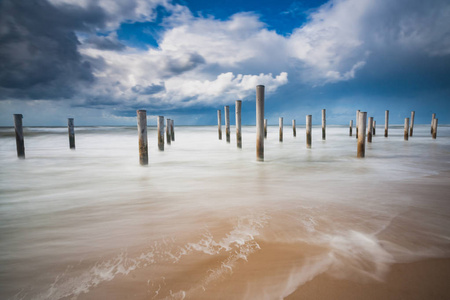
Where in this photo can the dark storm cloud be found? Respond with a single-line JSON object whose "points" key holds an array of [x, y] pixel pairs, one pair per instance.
{"points": [[150, 89], [105, 43], [38, 48], [177, 65]]}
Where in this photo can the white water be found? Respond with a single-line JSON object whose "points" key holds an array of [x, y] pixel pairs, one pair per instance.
{"points": [[92, 223]]}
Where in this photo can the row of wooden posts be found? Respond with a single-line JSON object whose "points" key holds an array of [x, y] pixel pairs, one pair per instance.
{"points": [[261, 129], [261, 126]]}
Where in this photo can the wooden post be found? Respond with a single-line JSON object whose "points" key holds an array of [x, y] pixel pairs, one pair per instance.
{"points": [[227, 123], [172, 130], [370, 130], [308, 131], [361, 150], [280, 124], [386, 123], [294, 130], [161, 133], [219, 123], [324, 124], [374, 126], [260, 122], [168, 137], [433, 116], [265, 128], [405, 134], [411, 126], [238, 123], [71, 133], [20, 145], [357, 123], [142, 133], [350, 128], [435, 124]]}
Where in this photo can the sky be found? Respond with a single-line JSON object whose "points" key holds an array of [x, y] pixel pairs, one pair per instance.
{"points": [[98, 61]]}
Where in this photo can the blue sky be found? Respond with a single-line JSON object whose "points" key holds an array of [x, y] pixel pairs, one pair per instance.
{"points": [[99, 61]]}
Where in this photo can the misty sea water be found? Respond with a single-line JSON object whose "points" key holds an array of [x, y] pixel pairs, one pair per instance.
{"points": [[205, 220]]}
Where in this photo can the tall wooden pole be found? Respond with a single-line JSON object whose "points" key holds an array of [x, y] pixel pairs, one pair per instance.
{"points": [[20, 145], [361, 150], [411, 126], [227, 123], [350, 128], [433, 116], [370, 130], [294, 130], [308, 131], [435, 125], [386, 123], [260, 122], [405, 134], [280, 124], [161, 133], [324, 124], [142, 133], [219, 123], [168, 137], [71, 129], [265, 128], [238, 123]]}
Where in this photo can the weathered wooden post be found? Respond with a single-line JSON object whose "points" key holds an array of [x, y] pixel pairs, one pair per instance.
{"points": [[324, 124], [374, 126], [20, 145], [411, 126], [238, 124], [280, 124], [294, 130], [357, 123], [370, 130], [219, 123], [350, 128], [71, 129], [308, 131], [142, 133], [260, 122], [386, 123], [161, 133], [361, 150], [265, 128], [433, 116], [172, 130], [435, 124], [227, 123], [168, 137], [405, 134]]}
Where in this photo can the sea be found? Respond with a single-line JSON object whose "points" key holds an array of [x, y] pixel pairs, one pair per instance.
{"points": [[206, 220]]}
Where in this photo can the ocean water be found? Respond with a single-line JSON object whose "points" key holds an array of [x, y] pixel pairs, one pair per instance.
{"points": [[205, 220]]}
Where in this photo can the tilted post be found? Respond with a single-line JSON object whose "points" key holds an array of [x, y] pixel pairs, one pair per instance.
{"points": [[411, 126], [435, 125], [238, 123], [260, 122], [142, 133], [405, 133], [71, 129], [361, 150], [20, 145], [433, 116]]}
